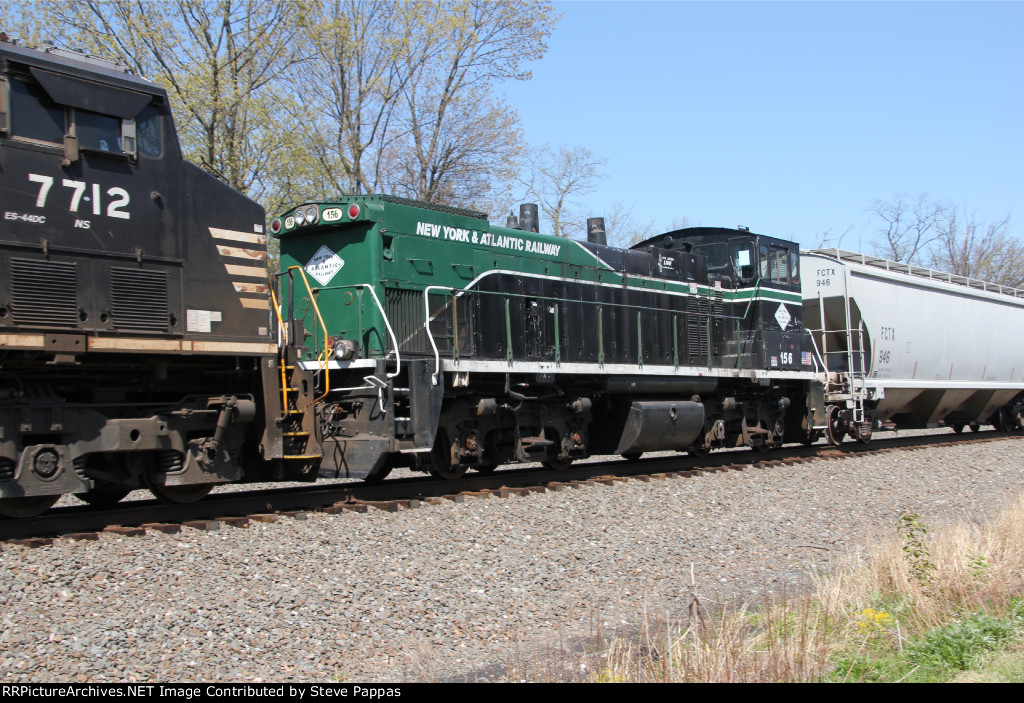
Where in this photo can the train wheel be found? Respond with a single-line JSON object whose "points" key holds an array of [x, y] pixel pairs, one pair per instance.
{"points": [[834, 431], [699, 452], [182, 494], [441, 460], [486, 468], [104, 494], [632, 456], [449, 473], [26, 507], [975, 427], [555, 465], [958, 428]]}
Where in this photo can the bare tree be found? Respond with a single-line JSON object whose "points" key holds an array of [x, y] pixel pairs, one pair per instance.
{"points": [[557, 180], [294, 99], [909, 226], [625, 229], [986, 252], [929, 232], [463, 159], [825, 238]]}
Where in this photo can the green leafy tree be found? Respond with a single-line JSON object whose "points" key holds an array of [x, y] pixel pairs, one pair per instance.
{"points": [[221, 61], [457, 140]]}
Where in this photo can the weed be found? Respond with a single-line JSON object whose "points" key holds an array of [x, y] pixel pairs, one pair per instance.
{"points": [[912, 532], [978, 565], [606, 675], [956, 647]]}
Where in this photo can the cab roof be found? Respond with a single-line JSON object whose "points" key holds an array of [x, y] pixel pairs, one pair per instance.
{"points": [[677, 239], [70, 63]]}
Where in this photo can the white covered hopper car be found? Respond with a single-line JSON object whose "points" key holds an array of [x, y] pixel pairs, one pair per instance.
{"points": [[912, 347]]}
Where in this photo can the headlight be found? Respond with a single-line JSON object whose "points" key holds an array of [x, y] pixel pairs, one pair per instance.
{"points": [[300, 216]]}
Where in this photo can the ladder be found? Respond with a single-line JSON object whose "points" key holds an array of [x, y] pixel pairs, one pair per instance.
{"points": [[298, 385], [846, 387]]}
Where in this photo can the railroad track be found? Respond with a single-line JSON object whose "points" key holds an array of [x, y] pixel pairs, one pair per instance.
{"points": [[238, 509]]}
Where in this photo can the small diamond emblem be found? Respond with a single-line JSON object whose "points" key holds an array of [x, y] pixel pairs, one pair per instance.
{"points": [[324, 265], [782, 316]]}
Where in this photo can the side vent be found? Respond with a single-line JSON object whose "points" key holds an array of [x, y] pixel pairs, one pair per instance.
{"points": [[43, 293], [138, 299], [405, 310]]}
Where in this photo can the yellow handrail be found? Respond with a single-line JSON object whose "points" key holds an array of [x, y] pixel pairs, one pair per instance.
{"points": [[320, 318], [283, 357]]}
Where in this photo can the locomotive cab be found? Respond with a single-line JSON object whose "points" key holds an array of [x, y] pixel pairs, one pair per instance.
{"points": [[765, 311]]}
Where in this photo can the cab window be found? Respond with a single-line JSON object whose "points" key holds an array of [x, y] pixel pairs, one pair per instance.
{"points": [[780, 265], [98, 132], [34, 115], [743, 260], [150, 133], [774, 263], [717, 254]]}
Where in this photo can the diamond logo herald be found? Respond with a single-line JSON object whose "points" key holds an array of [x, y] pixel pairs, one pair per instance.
{"points": [[782, 316], [324, 265]]}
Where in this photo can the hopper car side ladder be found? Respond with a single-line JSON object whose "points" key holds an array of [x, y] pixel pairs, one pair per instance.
{"points": [[848, 387]]}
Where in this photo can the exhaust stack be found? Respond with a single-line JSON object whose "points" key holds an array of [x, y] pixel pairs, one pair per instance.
{"points": [[528, 218]]}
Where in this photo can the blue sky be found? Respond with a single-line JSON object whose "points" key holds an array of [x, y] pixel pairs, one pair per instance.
{"points": [[789, 118]]}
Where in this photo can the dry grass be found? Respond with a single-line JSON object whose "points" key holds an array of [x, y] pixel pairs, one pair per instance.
{"points": [[866, 619], [976, 567]]}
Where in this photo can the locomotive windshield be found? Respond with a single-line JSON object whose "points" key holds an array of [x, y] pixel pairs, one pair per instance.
{"points": [[717, 254], [49, 108], [33, 115], [733, 258]]}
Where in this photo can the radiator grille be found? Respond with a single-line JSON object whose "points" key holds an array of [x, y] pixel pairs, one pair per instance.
{"points": [[405, 311], [44, 293], [138, 299], [696, 328]]}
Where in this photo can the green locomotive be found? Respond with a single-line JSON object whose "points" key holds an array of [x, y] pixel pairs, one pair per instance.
{"points": [[444, 343]]}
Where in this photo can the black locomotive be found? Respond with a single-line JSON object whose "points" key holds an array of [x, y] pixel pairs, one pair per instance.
{"points": [[136, 336]]}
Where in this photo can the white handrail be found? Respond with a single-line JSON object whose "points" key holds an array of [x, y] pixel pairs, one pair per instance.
{"points": [[426, 326]]}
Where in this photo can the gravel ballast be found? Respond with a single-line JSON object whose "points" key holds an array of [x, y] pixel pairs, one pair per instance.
{"points": [[443, 591]]}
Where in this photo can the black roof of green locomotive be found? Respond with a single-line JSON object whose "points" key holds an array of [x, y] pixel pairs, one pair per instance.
{"points": [[680, 238]]}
